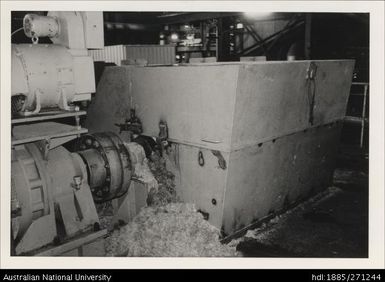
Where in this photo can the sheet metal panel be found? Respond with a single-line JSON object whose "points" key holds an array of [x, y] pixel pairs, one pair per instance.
{"points": [[196, 102], [203, 185], [109, 54], [265, 179], [259, 180], [154, 54], [111, 103], [226, 106], [272, 98]]}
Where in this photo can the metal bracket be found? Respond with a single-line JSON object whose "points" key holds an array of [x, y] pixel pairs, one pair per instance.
{"points": [[201, 160], [63, 101], [221, 159], [311, 71], [211, 141], [37, 108], [77, 183], [44, 147], [132, 125], [163, 136], [310, 79]]}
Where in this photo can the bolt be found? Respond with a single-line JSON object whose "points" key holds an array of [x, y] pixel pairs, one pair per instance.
{"points": [[77, 182]]}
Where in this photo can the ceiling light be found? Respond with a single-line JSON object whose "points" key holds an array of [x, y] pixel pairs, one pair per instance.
{"points": [[257, 15], [174, 36]]}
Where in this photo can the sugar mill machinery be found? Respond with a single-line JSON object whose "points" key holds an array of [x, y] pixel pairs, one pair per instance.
{"points": [[245, 140], [54, 190]]}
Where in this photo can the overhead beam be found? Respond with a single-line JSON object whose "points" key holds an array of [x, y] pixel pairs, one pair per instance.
{"points": [[193, 17]]}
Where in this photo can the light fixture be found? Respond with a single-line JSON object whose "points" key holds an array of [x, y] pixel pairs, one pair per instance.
{"points": [[252, 15], [119, 26], [174, 36]]}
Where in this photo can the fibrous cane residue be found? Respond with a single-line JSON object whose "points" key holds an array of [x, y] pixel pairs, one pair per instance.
{"points": [[174, 230], [165, 192]]}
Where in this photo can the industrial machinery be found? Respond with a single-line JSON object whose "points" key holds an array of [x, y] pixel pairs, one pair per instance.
{"points": [[245, 140], [248, 139], [53, 198], [55, 75], [54, 191]]}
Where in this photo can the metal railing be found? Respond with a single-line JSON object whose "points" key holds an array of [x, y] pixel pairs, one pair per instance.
{"points": [[362, 119]]}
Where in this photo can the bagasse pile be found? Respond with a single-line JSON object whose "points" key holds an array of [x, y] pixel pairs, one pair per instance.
{"points": [[164, 193], [174, 230], [166, 183], [166, 228]]}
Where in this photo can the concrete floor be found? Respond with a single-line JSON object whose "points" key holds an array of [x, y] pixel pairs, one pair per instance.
{"points": [[334, 223]]}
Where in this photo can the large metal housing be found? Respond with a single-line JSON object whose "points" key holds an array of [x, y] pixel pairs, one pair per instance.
{"points": [[264, 141]]}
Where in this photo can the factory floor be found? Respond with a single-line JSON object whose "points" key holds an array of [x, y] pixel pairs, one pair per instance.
{"points": [[332, 224]]}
